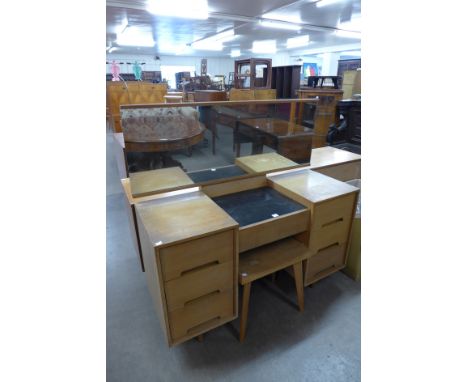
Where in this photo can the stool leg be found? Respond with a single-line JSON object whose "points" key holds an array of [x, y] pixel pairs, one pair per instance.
{"points": [[245, 311], [299, 285]]}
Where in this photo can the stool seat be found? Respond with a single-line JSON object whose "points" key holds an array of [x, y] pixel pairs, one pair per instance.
{"points": [[270, 258], [266, 260]]}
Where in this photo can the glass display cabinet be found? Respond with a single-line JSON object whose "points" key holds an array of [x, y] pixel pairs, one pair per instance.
{"points": [[253, 73]]}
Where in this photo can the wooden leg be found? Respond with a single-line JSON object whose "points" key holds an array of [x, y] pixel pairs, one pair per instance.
{"points": [[245, 311], [299, 285], [200, 338]]}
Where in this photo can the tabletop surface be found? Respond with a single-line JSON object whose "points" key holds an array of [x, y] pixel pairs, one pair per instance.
{"points": [[264, 162], [147, 182], [312, 185], [329, 156], [181, 217], [252, 206], [276, 127]]}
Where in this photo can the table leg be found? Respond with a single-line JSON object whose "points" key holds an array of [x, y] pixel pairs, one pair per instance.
{"points": [[245, 311], [299, 285]]}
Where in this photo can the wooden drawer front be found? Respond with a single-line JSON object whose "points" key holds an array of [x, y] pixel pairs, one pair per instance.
{"points": [[258, 234], [203, 314], [324, 263], [343, 172], [335, 232], [185, 257], [198, 284], [327, 212]]}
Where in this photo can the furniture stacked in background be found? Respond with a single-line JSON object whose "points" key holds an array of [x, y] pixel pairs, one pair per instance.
{"points": [[252, 73], [347, 134], [128, 93], [286, 80], [325, 111], [324, 82], [351, 83], [197, 245], [344, 65], [159, 131]]}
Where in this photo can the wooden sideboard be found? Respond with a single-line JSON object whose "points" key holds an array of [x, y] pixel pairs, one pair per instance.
{"points": [[129, 93]]}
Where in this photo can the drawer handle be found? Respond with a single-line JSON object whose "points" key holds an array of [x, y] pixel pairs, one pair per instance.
{"points": [[328, 246], [207, 265], [203, 324], [332, 222], [196, 299]]}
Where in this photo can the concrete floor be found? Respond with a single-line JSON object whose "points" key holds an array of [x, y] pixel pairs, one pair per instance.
{"points": [[321, 344]]}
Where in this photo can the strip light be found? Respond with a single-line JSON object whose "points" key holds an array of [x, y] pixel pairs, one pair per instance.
{"points": [[296, 42], [185, 9], [279, 25], [134, 36], [348, 34], [235, 52], [207, 45], [324, 3], [264, 46]]}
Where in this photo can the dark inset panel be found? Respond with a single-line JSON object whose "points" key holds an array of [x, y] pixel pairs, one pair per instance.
{"points": [[252, 206], [216, 173]]}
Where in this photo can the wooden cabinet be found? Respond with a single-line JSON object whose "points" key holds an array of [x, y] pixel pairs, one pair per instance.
{"points": [[344, 65], [286, 80], [253, 73], [332, 204], [189, 246]]}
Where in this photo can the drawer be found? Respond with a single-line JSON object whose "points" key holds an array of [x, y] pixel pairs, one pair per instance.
{"points": [[268, 231], [333, 210], [201, 315], [195, 285], [334, 232], [324, 263], [182, 258], [343, 172]]}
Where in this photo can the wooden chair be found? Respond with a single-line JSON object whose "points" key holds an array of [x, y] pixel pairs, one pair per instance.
{"points": [[266, 260]]}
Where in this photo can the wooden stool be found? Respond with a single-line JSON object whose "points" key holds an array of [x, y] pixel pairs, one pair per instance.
{"points": [[268, 259]]}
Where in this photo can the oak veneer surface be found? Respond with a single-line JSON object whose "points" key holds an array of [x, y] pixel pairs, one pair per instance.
{"points": [[182, 217], [329, 156], [311, 186], [252, 206], [148, 182], [264, 162], [216, 173]]}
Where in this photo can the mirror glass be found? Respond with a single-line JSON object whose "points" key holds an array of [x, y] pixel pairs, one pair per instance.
{"points": [[202, 143]]}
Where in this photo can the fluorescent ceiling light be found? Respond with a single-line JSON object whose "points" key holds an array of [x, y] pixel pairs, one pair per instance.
{"points": [[112, 49], [235, 52], [279, 25], [264, 46], [207, 45], [324, 3], [185, 9], [296, 42], [289, 17], [134, 36], [348, 34], [352, 25]]}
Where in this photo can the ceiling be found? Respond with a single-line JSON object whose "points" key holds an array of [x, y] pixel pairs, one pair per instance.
{"points": [[174, 35]]}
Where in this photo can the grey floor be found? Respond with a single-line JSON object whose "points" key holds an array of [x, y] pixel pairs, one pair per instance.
{"points": [[320, 344]]}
